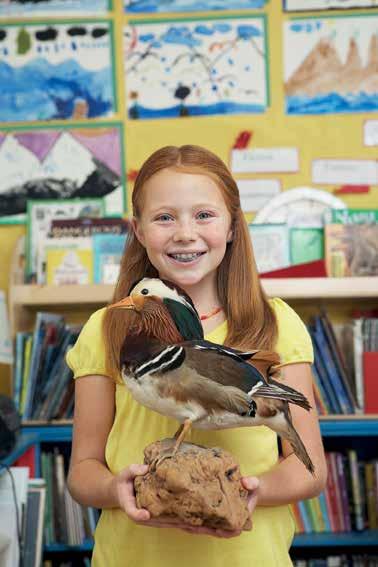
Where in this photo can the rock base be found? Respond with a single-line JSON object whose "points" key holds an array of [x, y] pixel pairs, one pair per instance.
{"points": [[199, 486]]}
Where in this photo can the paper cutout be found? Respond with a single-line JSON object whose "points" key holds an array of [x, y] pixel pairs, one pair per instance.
{"points": [[349, 172], [265, 160]]}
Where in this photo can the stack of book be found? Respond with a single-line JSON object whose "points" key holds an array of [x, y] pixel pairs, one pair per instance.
{"points": [[42, 382], [66, 522], [350, 501], [81, 251], [346, 356]]}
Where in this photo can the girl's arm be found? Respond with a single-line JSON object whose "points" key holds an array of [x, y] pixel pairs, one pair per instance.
{"points": [[290, 481]]}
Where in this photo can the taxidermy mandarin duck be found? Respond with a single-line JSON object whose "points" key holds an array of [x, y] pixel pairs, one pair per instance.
{"points": [[170, 368]]}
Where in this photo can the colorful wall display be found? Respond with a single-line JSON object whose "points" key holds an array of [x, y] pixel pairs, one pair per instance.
{"points": [[25, 8], [196, 67], [312, 5], [155, 6], [65, 162], [331, 64], [56, 71]]}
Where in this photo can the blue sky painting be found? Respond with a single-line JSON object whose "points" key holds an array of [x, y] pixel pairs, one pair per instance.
{"points": [[331, 64], [156, 6], [56, 71], [310, 5], [196, 67], [24, 8]]}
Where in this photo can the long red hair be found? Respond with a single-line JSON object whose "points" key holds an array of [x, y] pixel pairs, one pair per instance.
{"points": [[251, 320]]}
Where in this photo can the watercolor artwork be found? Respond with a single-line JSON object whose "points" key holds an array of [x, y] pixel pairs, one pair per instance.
{"points": [[196, 67], [27, 8], [313, 5], [60, 163], [156, 6], [56, 71], [331, 65]]}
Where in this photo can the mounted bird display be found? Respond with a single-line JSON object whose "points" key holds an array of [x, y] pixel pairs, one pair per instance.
{"points": [[170, 368]]}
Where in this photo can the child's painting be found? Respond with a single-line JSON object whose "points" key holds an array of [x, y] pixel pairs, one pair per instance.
{"points": [[331, 65], [26, 8], [313, 5], [199, 67], [155, 6], [60, 163], [56, 71]]}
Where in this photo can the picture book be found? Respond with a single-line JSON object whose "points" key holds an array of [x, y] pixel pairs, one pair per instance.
{"points": [[69, 266], [107, 250], [351, 242]]}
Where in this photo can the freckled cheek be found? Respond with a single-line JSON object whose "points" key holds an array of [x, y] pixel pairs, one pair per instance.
{"points": [[157, 240]]}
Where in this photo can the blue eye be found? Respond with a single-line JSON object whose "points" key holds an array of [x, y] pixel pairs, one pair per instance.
{"points": [[204, 215], [164, 217]]}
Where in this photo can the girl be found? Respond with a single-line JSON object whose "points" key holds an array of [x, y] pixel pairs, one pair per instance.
{"points": [[189, 228]]}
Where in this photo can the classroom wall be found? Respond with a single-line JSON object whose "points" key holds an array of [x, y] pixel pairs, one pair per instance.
{"points": [[327, 136]]}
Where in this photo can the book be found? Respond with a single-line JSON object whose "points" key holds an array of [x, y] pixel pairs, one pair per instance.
{"points": [[358, 515], [67, 267], [69, 243], [270, 246], [43, 321], [81, 227], [107, 250], [306, 245], [320, 336], [370, 379], [35, 512], [351, 242]]}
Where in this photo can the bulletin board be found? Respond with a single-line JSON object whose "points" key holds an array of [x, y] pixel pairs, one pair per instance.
{"points": [[247, 70]]}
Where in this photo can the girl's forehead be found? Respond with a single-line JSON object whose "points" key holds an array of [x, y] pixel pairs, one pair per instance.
{"points": [[175, 186]]}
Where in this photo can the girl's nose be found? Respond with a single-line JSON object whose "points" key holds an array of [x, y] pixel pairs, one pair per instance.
{"points": [[185, 232]]}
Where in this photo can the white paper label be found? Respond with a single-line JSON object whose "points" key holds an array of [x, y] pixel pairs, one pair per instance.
{"points": [[265, 160], [255, 193], [371, 133], [348, 172]]}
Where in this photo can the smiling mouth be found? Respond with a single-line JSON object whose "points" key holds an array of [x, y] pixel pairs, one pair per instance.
{"points": [[186, 257]]}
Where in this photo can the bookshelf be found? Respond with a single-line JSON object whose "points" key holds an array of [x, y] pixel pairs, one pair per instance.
{"points": [[26, 300]]}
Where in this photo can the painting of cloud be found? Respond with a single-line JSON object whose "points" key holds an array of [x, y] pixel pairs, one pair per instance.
{"points": [[27, 8], [60, 163], [331, 65], [56, 71], [154, 6], [309, 5], [199, 67]]}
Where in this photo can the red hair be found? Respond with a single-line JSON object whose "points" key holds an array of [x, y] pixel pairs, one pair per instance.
{"points": [[251, 320]]}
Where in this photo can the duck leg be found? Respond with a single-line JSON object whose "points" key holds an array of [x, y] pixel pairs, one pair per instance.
{"points": [[179, 436]]}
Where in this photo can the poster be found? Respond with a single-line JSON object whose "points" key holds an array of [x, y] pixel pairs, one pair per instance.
{"points": [[331, 65], [33, 165], [196, 67], [155, 6], [56, 71], [26, 8]]}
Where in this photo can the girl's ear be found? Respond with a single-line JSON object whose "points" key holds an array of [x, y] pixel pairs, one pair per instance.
{"points": [[137, 230], [230, 235]]}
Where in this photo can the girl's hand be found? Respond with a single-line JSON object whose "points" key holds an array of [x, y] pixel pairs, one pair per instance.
{"points": [[251, 483], [124, 486]]}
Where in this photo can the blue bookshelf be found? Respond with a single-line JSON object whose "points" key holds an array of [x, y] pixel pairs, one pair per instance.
{"points": [[35, 434]]}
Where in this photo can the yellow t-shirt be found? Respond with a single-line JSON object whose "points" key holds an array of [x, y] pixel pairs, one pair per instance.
{"points": [[118, 540]]}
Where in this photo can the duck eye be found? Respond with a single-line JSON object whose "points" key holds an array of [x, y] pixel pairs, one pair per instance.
{"points": [[144, 291]]}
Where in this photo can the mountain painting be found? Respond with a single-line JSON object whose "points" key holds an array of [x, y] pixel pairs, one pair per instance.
{"points": [[199, 67], [331, 65], [155, 6], [313, 5], [56, 71], [26, 8], [60, 163]]}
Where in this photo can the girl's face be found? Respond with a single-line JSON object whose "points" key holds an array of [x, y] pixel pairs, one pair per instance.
{"points": [[184, 226]]}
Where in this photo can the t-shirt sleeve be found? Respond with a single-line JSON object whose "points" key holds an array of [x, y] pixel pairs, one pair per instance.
{"points": [[294, 341], [87, 356]]}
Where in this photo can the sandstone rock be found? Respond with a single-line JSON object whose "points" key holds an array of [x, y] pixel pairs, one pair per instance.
{"points": [[199, 486]]}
